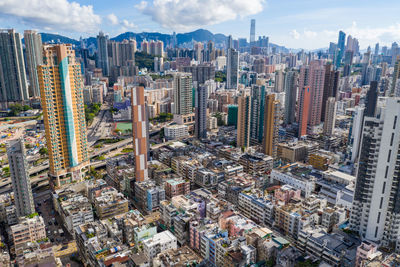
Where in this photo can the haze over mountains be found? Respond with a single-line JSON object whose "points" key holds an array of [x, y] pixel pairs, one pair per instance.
{"points": [[200, 35]]}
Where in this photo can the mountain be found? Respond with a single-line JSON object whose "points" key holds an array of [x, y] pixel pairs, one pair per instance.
{"points": [[55, 38], [200, 35]]}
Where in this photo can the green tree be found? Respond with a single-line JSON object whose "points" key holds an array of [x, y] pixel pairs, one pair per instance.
{"points": [[43, 151]]}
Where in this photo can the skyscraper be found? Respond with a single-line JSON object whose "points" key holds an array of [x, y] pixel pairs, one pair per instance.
{"points": [[396, 74], [371, 99], [183, 103], [13, 84], [341, 43], [375, 213], [331, 83], [201, 111], [278, 87], [330, 116], [252, 32], [271, 126], [243, 125], [290, 87], [376, 49], [257, 113], [102, 53], [304, 106], [139, 132], [232, 69], [34, 57], [21, 183], [61, 94], [314, 77]]}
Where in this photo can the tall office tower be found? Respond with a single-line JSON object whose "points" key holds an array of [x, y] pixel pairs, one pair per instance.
{"points": [[243, 124], [229, 42], [210, 51], [102, 53], [341, 42], [21, 183], [304, 107], [252, 32], [371, 99], [355, 134], [396, 75], [376, 49], [61, 94], [271, 126], [331, 83], [201, 112], [348, 61], [330, 116], [139, 132], [34, 57], [375, 212], [314, 77], [183, 93], [278, 87], [13, 85], [232, 72], [257, 113], [290, 87]]}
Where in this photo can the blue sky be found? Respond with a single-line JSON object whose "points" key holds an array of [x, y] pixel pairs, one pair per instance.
{"points": [[308, 24]]}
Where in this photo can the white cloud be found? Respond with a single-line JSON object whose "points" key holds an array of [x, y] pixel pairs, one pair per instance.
{"points": [[113, 19], [54, 14], [294, 34], [142, 5], [191, 14], [310, 34], [128, 24]]}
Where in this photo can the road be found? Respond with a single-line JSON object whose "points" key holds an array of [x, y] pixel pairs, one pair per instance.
{"points": [[101, 126]]}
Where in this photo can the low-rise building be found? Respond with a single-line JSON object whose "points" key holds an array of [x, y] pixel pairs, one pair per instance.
{"points": [[28, 230], [158, 243], [182, 256], [176, 131], [74, 208], [148, 196], [175, 187], [109, 202]]}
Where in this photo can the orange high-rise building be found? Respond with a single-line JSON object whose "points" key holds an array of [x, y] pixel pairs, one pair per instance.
{"points": [[61, 93], [139, 131], [304, 106]]}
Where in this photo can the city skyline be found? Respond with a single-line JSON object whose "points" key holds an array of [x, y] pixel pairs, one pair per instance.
{"points": [[300, 24]]}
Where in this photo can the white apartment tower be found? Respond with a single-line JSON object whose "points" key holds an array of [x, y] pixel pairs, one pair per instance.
{"points": [[20, 178], [375, 213]]}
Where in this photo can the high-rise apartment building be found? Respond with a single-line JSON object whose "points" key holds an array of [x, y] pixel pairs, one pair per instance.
{"points": [[252, 32], [102, 53], [232, 69], [34, 57], [396, 75], [21, 183], [13, 84], [201, 111], [183, 93], [61, 94], [330, 116], [331, 83], [140, 133], [279, 79], [314, 77], [243, 124], [303, 110], [290, 88], [375, 212], [257, 113], [271, 126]]}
